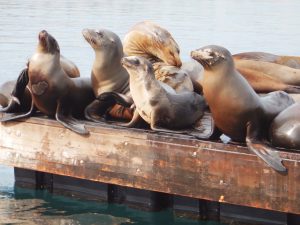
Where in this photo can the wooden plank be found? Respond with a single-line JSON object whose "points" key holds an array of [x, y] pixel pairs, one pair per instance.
{"points": [[175, 164]]}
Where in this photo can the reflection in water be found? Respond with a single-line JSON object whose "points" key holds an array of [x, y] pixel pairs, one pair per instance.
{"points": [[25, 206]]}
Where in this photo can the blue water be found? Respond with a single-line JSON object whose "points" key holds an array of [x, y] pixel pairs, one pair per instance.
{"points": [[239, 25]]}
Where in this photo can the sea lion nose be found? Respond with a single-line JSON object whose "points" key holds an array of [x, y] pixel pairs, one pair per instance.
{"points": [[43, 34]]}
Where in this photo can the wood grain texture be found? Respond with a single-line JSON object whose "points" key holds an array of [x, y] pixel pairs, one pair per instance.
{"points": [[176, 164]]}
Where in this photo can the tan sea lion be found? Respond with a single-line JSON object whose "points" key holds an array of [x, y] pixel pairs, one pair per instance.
{"points": [[291, 61], [152, 42], [162, 109], [173, 76], [108, 75], [53, 92], [236, 109], [285, 128]]}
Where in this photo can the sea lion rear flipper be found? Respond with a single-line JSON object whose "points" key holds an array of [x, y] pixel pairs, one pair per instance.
{"points": [[68, 121], [14, 116], [17, 92], [266, 153]]}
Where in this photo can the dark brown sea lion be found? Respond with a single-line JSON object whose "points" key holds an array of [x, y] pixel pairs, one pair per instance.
{"points": [[108, 75], [162, 109], [152, 42], [53, 92], [285, 128], [236, 109], [291, 61], [11, 101]]}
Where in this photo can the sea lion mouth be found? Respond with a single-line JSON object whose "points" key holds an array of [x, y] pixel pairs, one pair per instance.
{"points": [[94, 37]]}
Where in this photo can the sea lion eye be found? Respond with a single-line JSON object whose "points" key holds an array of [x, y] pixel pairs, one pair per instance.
{"points": [[136, 62], [99, 33]]}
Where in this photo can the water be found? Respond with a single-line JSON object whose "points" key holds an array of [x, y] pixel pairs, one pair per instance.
{"points": [[239, 25]]}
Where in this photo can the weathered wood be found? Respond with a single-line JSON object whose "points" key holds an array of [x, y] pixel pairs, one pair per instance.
{"points": [[176, 164]]}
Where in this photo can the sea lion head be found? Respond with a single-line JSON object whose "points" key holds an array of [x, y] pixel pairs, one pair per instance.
{"points": [[155, 42], [47, 43], [166, 48], [103, 40], [212, 56], [137, 66]]}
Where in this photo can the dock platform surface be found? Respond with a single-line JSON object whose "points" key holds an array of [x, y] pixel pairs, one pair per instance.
{"points": [[161, 162]]}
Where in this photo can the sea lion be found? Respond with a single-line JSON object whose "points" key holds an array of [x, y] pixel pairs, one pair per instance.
{"points": [[266, 76], [285, 128], [162, 109], [53, 92], [173, 76], [152, 42], [236, 109], [291, 61], [11, 100], [107, 75]]}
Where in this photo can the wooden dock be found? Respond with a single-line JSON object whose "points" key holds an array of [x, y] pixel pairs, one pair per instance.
{"points": [[177, 165]]}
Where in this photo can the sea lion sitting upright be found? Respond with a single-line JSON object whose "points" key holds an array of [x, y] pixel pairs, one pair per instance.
{"points": [[160, 108], [285, 128], [236, 109], [107, 75], [53, 92]]}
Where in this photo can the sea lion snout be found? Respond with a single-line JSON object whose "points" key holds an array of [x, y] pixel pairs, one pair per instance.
{"points": [[130, 61], [43, 35]]}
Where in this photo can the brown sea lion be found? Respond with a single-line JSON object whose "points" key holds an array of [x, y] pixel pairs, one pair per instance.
{"points": [[108, 75], [162, 109], [291, 61], [285, 128], [53, 92], [266, 76], [152, 42], [236, 109]]}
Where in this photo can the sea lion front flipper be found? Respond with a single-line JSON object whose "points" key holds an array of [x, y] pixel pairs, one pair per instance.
{"points": [[68, 121], [118, 98], [14, 116], [96, 110], [17, 92], [266, 153]]}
